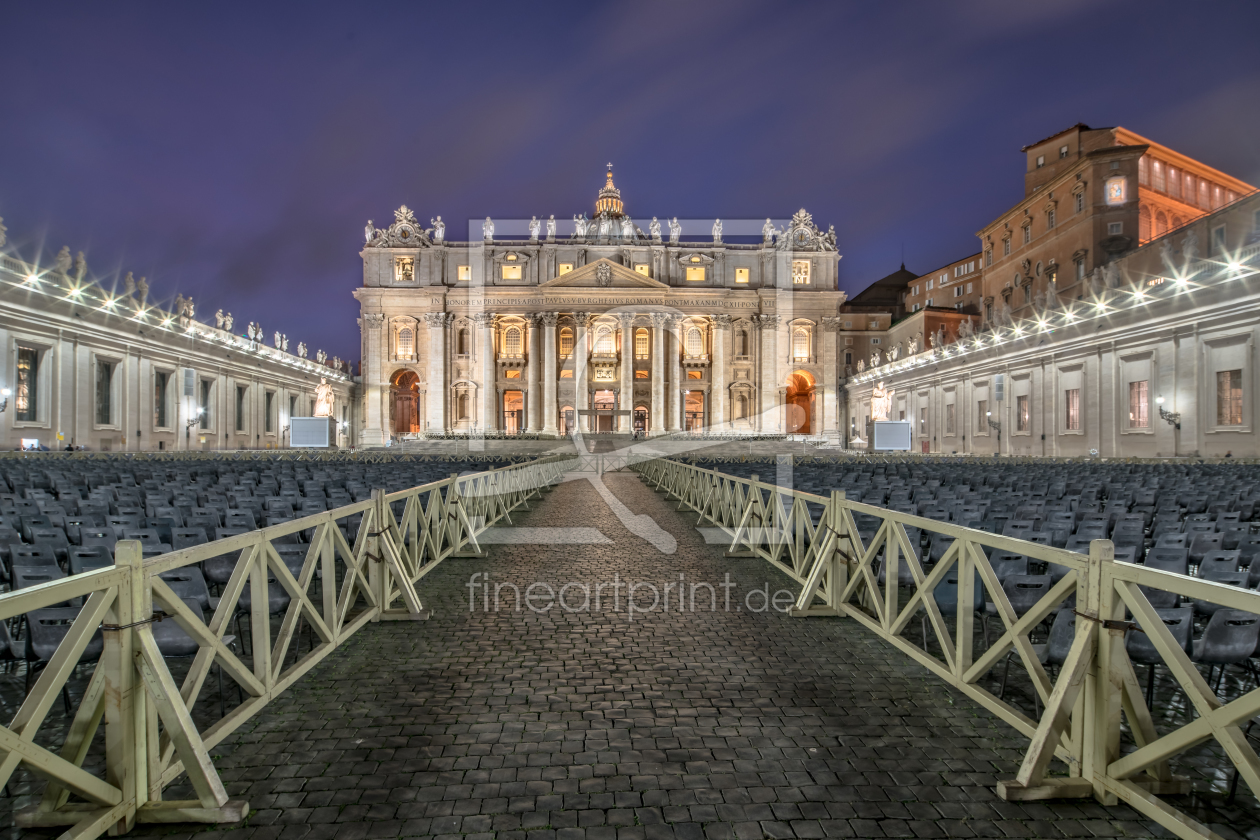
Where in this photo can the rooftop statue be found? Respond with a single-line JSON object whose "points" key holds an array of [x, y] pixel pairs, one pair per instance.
{"points": [[717, 230], [4, 233], [487, 229], [551, 227], [767, 231], [218, 318], [80, 267], [534, 227], [675, 231], [580, 225], [142, 287], [227, 322], [63, 260], [369, 232], [439, 229], [655, 228], [129, 284]]}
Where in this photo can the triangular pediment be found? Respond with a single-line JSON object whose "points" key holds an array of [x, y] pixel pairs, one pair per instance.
{"points": [[603, 274]]}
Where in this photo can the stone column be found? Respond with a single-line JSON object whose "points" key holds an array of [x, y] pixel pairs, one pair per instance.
{"points": [[674, 344], [657, 425], [532, 398], [375, 428], [485, 323], [435, 385], [550, 408], [625, 423], [831, 373], [771, 422], [581, 354], [716, 410]]}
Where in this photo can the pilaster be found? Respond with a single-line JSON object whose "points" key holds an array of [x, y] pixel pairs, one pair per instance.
{"points": [[717, 411], [533, 404], [659, 320], [830, 371], [625, 400], [551, 409], [375, 392]]}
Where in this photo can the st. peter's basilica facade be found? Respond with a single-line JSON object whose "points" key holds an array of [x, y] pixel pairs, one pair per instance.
{"points": [[607, 327]]}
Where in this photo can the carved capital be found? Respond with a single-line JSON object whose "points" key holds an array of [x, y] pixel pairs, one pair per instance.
{"points": [[583, 319], [659, 319], [626, 319], [436, 319], [549, 319], [721, 322], [831, 323], [374, 320], [483, 319], [768, 321]]}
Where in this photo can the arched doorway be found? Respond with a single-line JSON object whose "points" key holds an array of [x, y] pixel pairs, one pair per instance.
{"points": [[641, 419], [404, 403], [799, 403], [568, 419], [513, 412]]}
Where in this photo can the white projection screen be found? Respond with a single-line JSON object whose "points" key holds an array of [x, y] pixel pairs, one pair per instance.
{"points": [[891, 436]]}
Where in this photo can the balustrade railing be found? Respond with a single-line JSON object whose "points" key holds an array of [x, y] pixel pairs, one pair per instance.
{"points": [[1092, 715], [343, 583]]}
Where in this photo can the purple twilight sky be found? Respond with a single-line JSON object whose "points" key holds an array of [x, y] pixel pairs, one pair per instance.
{"points": [[234, 151]]}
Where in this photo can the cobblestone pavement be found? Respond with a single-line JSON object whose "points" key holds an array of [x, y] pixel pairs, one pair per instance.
{"points": [[588, 725]]}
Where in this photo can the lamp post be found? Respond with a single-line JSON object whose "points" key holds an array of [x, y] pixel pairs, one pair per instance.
{"points": [[996, 425], [1173, 418], [196, 418]]}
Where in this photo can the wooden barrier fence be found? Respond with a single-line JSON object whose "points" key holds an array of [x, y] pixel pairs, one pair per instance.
{"points": [[815, 540], [150, 736]]}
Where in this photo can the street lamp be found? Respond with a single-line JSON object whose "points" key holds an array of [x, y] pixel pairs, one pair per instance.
{"points": [[997, 425], [1173, 418], [196, 418]]}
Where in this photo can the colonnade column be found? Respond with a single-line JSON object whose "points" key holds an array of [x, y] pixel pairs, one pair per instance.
{"points": [[435, 384], [716, 411], [626, 401], [489, 394], [581, 353], [549, 408], [376, 391], [533, 403], [830, 385], [673, 341], [659, 319], [769, 384]]}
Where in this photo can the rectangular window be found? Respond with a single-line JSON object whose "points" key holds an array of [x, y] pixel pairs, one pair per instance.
{"points": [[1050, 220], [1079, 202], [949, 420], [564, 268], [695, 274], [800, 272], [204, 404], [1139, 417], [641, 374], [1072, 409], [1218, 241], [1229, 398], [1204, 188], [1063, 152], [1080, 270], [292, 407], [404, 269], [958, 291], [874, 341], [1027, 234], [160, 380], [929, 285], [848, 357], [695, 374], [465, 273], [269, 401], [240, 408], [26, 394], [1022, 417], [644, 269], [566, 342], [1006, 247], [511, 272], [1157, 169], [874, 325], [1174, 182], [988, 257], [929, 302], [1115, 228], [968, 288], [1041, 161], [914, 308], [566, 374], [104, 385], [741, 275], [923, 421], [512, 374], [982, 414], [1143, 166]]}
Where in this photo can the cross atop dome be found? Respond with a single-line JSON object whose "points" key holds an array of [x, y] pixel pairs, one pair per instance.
{"points": [[609, 200]]}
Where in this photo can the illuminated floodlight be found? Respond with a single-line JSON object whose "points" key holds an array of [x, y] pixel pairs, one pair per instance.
{"points": [[32, 278]]}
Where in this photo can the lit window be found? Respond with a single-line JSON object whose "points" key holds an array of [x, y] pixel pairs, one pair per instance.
{"points": [[1144, 223], [695, 342], [1139, 417], [800, 344], [641, 343], [741, 275], [695, 275], [643, 268], [512, 374], [1072, 410], [1174, 182], [404, 269], [465, 273], [1229, 398], [695, 374], [1022, 416], [406, 342], [511, 272], [800, 272], [1143, 166], [640, 374], [604, 341], [566, 342], [1157, 171], [512, 341], [25, 394], [564, 268], [566, 374]]}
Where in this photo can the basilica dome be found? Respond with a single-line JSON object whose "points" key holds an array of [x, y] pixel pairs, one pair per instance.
{"points": [[609, 200]]}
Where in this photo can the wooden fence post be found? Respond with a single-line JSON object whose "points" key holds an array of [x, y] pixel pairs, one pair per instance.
{"points": [[126, 723]]}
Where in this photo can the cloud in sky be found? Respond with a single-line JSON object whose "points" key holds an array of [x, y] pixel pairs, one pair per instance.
{"points": [[234, 152]]}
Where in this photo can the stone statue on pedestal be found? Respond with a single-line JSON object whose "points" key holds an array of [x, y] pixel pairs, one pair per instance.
{"points": [[129, 285], [276, 340], [487, 229], [551, 227], [439, 229], [80, 267], [965, 330], [301, 349], [63, 261], [675, 231], [717, 230], [284, 343], [143, 289], [369, 232], [655, 229], [580, 225], [227, 322], [767, 231], [323, 398], [534, 227], [218, 318]]}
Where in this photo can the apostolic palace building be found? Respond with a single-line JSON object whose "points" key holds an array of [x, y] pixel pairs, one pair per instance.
{"points": [[607, 328]]}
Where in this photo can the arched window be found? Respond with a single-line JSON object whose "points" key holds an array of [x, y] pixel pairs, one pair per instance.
{"points": [[406, 342], [641, 343], [461, 342], [1161, 223], [461, 406], [604, 341], [1144, 223], [695, 342], [566, 342], [800, 343], [512, 341], [1177, 222], [741, 407]]}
